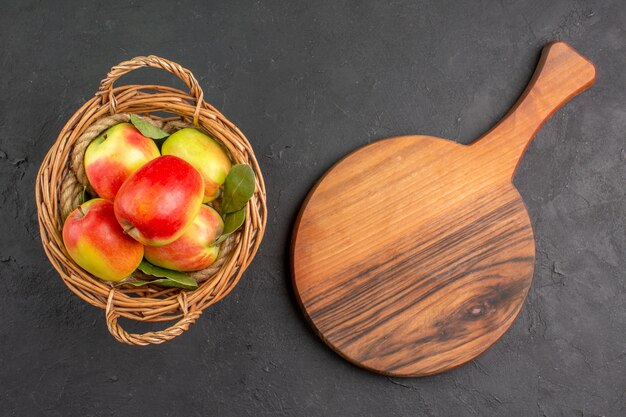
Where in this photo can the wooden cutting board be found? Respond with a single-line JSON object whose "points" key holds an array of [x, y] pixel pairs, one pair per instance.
{"points": [[413, 255]]}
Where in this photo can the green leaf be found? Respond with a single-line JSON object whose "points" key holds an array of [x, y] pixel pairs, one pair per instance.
{"points": [[83, 196], [168, 277], [147, 129], [232, 222], [238, 188]]}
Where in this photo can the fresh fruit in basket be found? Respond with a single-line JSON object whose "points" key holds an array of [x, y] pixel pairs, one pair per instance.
{"points": [[95, 240], [156, 208], [194, 250], [157, 203], [205, 154], [114, 155]]}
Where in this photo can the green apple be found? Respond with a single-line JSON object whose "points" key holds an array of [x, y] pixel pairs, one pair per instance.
{"points": [[204, 153]]}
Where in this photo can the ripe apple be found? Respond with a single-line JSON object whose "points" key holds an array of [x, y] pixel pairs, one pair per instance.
{"points": [[114, 156], [96, 242], [192, 251], [157, 203], [204, 153]]}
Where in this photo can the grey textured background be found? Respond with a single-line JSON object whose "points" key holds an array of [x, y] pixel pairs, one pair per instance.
{"points": [[308, 82]]}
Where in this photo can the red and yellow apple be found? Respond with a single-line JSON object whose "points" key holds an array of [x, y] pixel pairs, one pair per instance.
{"points": [[204, 153], [192, 251], [114, 155], [96, 242], [160, 200]]}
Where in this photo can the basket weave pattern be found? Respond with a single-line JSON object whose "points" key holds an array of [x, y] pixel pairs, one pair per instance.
{"points": [[61, 181]]}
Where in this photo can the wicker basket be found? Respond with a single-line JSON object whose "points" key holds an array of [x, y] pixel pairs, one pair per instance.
{"points": [[61, 181]]}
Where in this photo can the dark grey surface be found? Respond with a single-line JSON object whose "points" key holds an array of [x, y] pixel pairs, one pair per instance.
{"points": [[307, 83]]}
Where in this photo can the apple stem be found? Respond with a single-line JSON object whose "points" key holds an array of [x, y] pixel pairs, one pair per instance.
{"points": [[80, 210]]}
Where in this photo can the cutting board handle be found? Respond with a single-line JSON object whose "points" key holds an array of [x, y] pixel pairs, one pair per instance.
{"points": [[561, 74]]}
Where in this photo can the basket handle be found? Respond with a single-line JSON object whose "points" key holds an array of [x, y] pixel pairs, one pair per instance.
{"points": [[105, 91], [144, 339]]}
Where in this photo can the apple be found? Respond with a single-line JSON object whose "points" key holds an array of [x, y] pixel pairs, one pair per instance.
{"points": [[157, 203], [192, 251], [114, 155], [96, 242], [204, 153]]}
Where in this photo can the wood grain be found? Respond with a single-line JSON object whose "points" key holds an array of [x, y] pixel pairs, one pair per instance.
{"points": [[413, 255]]}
